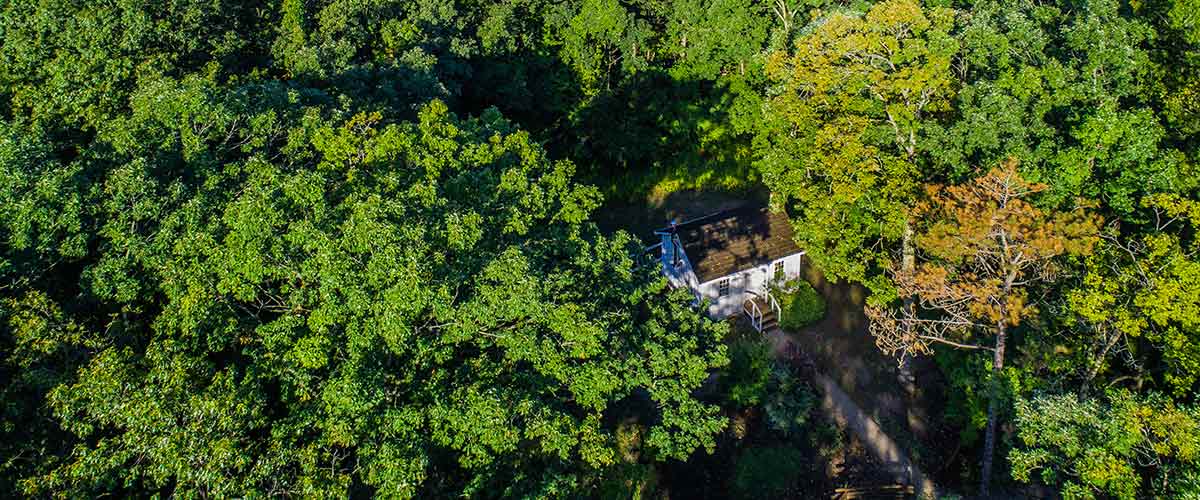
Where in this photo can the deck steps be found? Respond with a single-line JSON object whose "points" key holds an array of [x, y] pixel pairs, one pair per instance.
{"points": [[888, 492], [769, 319]]}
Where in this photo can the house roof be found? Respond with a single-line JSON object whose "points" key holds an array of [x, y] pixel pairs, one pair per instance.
{"points": [[727, 242]]}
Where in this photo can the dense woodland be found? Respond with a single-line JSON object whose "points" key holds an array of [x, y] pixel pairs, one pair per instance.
{"points": [[329, 248]]}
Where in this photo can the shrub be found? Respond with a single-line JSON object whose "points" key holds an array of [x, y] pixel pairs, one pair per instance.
{"points": [[827, 438], [800, 306], [766, 472], [789, 401], [749, 370]]}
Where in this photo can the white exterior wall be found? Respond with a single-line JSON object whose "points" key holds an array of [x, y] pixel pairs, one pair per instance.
{"points": [[755, 279], [679, 274]]}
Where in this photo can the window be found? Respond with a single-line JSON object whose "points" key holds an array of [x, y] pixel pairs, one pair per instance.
{"points": [[723, 288], [779, 271]]}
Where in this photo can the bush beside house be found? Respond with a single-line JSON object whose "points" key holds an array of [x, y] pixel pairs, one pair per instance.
{"points": [[800, 304]]}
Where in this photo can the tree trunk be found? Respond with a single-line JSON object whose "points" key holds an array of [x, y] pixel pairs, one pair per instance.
{"points": [[1109, 341], [908, 260], [989, 439]]}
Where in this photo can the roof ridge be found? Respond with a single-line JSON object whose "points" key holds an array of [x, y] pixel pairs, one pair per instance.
{"points": [[714, 214], [732, 240]]}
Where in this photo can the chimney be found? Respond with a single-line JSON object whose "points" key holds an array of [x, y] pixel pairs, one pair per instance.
{"points": [[674, 238]]}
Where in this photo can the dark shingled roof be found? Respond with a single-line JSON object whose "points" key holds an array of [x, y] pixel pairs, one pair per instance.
{"points": [[724, 243]]}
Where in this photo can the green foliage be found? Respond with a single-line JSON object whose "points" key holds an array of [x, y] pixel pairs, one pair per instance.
{"points": [[630, 477], [789, 401], [1063, 89], [967, 398], [828, 439], [801, 305], [427, 297], [718, 36], [1139, 296], [42, 218], [746, 378], [299, 248], [40, 340], [768, 471], [630, 481], [1104, 447]]}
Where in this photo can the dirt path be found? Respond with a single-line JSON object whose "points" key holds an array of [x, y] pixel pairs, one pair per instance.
{"points": [[840, 408], [843, 349]]}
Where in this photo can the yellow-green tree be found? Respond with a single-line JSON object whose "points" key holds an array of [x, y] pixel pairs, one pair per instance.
{"points": [[1122, 446], [1141, 295], [841, 149]]}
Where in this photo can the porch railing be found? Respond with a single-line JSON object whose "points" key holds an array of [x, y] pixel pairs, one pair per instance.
{"points": [[774, 304], [750, 307]]}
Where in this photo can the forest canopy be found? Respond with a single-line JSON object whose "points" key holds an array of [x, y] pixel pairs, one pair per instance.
{"points": [[346, 248]]}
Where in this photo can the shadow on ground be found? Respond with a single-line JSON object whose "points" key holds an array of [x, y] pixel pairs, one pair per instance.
{"points": [[841, 347]]}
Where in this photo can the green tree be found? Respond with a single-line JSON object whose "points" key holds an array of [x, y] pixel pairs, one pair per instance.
{"points": [[602, 40], [711, 38], [1142, 296], [45, 232], [1108, 447], [749, 371], [1069, 91], [406, 308], [790, 401], [72, 63]]}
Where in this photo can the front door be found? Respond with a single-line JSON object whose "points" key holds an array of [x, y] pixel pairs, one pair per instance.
{"points": [[755, 281]]}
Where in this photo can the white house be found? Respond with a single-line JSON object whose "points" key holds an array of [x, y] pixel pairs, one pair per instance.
{"points": [[730, 259]]}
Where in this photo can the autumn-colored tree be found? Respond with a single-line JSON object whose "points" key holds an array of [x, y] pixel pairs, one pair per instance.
{"points": [[983, 246]]}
